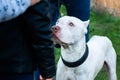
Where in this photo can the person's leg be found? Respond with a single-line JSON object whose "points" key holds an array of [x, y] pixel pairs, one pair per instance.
{"points": [[16, 77], [79, 9], [36, 74], [54, 11]]}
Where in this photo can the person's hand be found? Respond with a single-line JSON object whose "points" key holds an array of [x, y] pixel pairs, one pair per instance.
{"points": [[33, 2], [41, 78]]}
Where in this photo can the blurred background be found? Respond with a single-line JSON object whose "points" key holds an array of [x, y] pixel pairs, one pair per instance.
{"points": [[105, 21]]}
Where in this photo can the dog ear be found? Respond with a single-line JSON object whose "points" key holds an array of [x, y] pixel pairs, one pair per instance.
{"points": [[86, 23], [85, 30]]}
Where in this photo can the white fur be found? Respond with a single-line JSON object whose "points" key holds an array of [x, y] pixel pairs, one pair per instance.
{"points": [[100, 51]]}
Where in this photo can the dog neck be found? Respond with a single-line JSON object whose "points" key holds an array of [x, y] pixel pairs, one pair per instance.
{"points": [[75, 51]]}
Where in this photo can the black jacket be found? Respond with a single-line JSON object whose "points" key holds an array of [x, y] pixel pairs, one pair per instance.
{"points": [[25, 42]]}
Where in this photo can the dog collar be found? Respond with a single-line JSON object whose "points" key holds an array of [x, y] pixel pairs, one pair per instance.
{"points": [[79, 62]]}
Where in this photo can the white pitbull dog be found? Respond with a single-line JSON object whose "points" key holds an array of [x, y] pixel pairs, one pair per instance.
{"points": [[80, 60]]}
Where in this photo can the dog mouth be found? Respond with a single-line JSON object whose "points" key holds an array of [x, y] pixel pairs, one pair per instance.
{"points": [[58, 41]]}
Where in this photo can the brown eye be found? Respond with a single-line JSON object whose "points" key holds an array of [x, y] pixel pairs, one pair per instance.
{"points": [[71, 24]]}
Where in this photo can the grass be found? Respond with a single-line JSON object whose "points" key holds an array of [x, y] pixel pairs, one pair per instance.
{"points": [[105, 25]]}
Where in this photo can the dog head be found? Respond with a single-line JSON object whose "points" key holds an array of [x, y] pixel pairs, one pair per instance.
{"points": [[69, 30]]}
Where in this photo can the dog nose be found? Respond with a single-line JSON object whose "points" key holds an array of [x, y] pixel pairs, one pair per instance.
{"points": [[56, 28]]}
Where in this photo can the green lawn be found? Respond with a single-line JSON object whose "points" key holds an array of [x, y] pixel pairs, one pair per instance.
{"points": [[106, 25]]}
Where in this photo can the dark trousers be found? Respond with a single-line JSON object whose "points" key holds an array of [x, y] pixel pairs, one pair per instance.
{"points": [[76, 8], [16, 77], [36, 74]]}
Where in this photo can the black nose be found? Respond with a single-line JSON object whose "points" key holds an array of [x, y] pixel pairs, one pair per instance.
{"points": [[56, 28]]}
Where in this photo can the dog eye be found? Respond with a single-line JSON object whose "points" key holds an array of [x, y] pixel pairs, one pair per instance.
{"points": [[71, 24]]}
